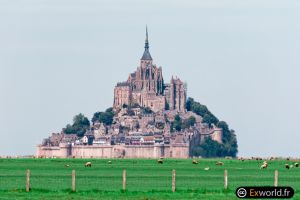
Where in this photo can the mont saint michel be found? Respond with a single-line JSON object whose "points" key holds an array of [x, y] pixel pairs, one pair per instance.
{"points": [[149, 118]]}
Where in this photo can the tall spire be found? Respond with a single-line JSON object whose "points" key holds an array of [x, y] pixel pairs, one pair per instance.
{"points": [[146, 55], [146, 40]]}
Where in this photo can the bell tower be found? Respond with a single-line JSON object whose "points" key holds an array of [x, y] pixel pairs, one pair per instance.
{"points": [[146, 59]]}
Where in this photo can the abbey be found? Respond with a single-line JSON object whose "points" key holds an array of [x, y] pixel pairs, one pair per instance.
{"points": [[146, 88], [148, 119]]}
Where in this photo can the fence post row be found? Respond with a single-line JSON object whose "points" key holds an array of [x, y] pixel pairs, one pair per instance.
{"points": [[225, 179], [27, 180], [124, 179], [173, 180], [73, 180], [276, 178]]}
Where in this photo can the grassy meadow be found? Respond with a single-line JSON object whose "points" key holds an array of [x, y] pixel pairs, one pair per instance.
{"points": [[146, 179]]}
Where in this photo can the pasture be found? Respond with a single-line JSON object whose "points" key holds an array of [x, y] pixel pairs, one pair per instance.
{"points": [[145, 178]]}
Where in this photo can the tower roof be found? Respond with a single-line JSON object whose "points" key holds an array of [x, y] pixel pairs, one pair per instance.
{"points": [[146, 55]]}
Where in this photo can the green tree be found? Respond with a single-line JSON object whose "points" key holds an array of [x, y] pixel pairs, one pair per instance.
{"points": [[229, 139], [209, 148], [104, 117], [190, 122], [189, 103], [177, 123], [80, 125]]}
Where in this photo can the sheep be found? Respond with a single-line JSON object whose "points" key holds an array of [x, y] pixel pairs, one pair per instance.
{"points": [[88, 164], [264, 166], [67, 165], [109, 162], [219, 163], [206, 168], [296, 164], [265, 162], [160, 161], [195, 162], [287, 166]]}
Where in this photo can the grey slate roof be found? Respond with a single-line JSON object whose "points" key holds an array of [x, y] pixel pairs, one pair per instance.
{"points": [[146, 55]]}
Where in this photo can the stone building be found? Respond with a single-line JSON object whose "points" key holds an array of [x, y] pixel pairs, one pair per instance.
{"points": [[146, 87], [135, 132]]}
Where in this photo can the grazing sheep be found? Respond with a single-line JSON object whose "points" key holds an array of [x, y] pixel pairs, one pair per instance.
{"points": [[287, 166], [264, 166], [67, 165], [219, 163], [109, 162], [206, 168], [195, 162], [265, 162], [296, 164], [160, 161], [88, 164]]}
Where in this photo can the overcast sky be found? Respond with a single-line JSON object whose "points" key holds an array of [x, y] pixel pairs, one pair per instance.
{"points": [[240, 58]]}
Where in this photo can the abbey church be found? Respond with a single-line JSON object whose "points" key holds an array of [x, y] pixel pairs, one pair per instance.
{"points": [[149, 119], [146, 88]]}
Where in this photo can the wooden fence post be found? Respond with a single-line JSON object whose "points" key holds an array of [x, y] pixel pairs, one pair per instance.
{"points": [[124, 179], [276, 178], [225, 180], [73, 181], [27, 180], [173, 180]]}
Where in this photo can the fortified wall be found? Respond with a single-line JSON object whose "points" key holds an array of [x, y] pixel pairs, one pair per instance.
{"points": [[115, 151]]}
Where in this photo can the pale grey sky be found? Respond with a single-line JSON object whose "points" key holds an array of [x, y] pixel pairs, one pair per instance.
{"points": [[240, 58]]}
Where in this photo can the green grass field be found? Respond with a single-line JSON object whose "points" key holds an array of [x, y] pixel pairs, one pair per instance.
{"points": [[146, 179]]}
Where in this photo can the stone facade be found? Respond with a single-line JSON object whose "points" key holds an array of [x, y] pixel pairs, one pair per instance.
{"points": [[146, 88], [114, 151]]}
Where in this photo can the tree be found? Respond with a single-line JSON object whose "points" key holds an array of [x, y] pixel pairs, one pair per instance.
{"points": [[228, 139], [201, 110], [80, 125], [209, 119], [80, 120], [177, 123], [104, 117], [189, 103], [189, 122], [210, 148]]}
